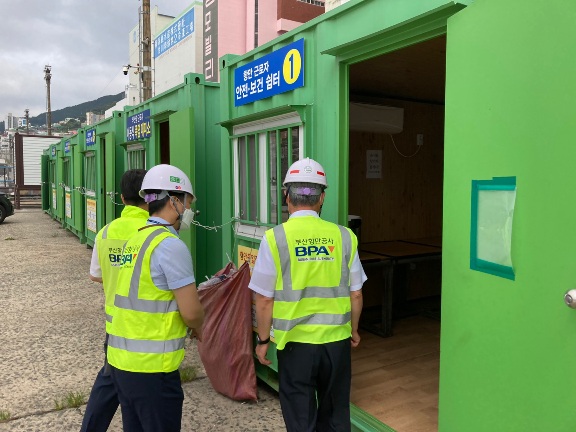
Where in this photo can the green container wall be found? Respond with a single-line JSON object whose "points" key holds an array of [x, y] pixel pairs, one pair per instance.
{"points": [[45, 188], [60, 210], [89, 197], [191, 110], [205, 98], [507, 347], [75, 223], [333, 41], [108, 133], [52, 186]]}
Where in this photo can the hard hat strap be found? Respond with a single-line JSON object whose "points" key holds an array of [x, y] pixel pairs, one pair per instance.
{"points": [[148, 198]]}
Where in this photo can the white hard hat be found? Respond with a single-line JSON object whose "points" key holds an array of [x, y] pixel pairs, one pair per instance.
{"points": [[306, 171], [165, 178]]}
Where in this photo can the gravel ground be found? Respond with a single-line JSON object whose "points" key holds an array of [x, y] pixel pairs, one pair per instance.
{"points": [[51, 335]]}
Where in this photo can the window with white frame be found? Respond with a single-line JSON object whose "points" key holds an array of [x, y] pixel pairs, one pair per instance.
{"points": [[263, 151], [90, 172], [53, 173], [136, 156], [66, 172]]}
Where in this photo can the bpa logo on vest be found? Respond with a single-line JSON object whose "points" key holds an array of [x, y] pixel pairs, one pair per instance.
{"points": [[314, 253], [117, 260]]}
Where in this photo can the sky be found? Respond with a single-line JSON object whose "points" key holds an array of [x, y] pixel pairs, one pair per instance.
{"points": [[84, 41]]}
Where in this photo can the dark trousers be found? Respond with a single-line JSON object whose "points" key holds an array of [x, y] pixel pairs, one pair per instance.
{"points": [[150, 402], [315, 386], [103, 401]]}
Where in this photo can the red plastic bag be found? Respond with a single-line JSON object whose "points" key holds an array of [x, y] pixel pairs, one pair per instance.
{"points": [[226, 347]]}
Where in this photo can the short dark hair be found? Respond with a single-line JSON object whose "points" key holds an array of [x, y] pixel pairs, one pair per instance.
{"points": [[299, 200], [156, 206], [130, 185]]}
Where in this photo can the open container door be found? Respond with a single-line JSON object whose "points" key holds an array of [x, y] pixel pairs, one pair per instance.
{"points": [[507, 343]]}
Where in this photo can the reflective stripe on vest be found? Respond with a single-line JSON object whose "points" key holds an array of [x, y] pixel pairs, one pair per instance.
{"points": [[146, 346], [287, 294], [314, 319], [104, 237], [132, 302], [109, 244], [105, 232], [148, 330], [312, 293]]}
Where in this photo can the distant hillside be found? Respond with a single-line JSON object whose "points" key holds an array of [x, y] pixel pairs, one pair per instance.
{"points": [[79, 111]]}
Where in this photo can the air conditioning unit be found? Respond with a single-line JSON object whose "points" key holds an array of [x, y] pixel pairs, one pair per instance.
{"points": [[376, 118]]}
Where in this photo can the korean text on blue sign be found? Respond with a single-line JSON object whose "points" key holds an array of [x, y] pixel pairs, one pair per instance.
{"points": [[67, 147], [174, 34], [138, 126], [90, 137], [277, 72]]}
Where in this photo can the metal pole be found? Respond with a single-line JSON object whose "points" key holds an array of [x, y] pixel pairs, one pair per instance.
{"points": [[12, 159], [26, 112], [47, 76], [146, 72]]}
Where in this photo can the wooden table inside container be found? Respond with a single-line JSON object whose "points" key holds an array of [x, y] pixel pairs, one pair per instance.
{"points": [[397, 252], [427, 241], [400, 249], [367, 257], [384, 329]]}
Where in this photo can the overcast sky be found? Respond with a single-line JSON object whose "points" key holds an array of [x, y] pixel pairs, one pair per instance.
{"points": [[85, 42]]}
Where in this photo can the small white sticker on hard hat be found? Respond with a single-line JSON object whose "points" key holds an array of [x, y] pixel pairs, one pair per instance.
{"points": [[308, 169]]}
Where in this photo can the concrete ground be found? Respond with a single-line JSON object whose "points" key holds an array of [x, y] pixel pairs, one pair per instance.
{"points": [[51, 335]]}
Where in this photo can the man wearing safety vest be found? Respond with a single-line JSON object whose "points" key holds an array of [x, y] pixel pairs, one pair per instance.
{"points": [[103, 401], [156, 300], [308, 282]]}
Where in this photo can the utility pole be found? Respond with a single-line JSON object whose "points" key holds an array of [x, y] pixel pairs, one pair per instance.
{"points": [[26, 114], [12, 157], [47, 76], [146, 48]]}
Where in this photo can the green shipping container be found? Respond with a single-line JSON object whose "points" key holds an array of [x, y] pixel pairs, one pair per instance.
{"points": [[101, 173], [178, 127], [72, 179], [428, 116]]}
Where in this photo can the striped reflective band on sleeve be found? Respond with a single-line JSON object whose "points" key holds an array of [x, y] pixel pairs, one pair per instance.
{"points": [[146, 346], [288, 294], [346, 254], [108, 318], [314, 319], [132, 302]]}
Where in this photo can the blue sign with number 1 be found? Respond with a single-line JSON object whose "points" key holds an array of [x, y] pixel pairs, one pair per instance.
{"points": [[275, 73]]}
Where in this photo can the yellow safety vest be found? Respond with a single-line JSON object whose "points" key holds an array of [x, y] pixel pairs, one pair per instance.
{"points": [[312, 296], [148, 333], [109, 243]]}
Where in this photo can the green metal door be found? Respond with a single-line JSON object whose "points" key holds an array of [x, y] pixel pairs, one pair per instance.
{"points": [[508, 346]]}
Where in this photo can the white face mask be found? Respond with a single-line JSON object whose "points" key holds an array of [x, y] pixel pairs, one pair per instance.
{"points": [[187, 218]]}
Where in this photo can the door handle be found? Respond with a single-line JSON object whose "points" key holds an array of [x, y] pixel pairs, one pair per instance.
{"points": [[570, 298]]}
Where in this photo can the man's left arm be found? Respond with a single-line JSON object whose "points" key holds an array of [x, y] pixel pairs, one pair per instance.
{"points": [[356, 301], [264, 307], [95, 269], [357, 279], [263, 283]]}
